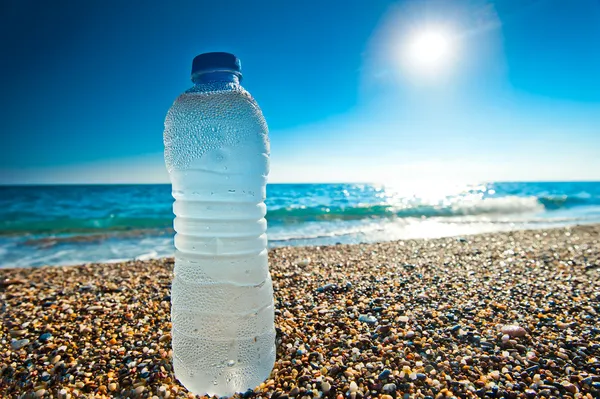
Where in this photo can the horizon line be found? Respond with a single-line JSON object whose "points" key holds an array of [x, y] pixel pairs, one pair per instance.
{"points": [[287, 183]]}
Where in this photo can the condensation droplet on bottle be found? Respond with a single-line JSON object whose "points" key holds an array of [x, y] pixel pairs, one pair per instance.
{"points": [[230, 363]]}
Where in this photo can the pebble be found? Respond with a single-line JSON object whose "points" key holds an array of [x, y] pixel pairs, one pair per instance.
{"points": [[325, 386], [327, 287], [18, 344], [384, 374], [389, 388], [45, 337], [353, 387], [514, 330], [367, 319], [18, 333], [87, 287]]}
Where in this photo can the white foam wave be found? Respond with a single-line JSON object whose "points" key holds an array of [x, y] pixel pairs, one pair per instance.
{"points": [[498, 206]]}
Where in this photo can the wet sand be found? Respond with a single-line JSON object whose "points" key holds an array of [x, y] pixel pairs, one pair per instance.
{"points": [[514, 315]]}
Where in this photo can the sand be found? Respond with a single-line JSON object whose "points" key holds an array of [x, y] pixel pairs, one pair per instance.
{"points": [[496, 315]]}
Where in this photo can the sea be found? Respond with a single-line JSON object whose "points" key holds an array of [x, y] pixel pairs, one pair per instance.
{"points": [[74, 224]]}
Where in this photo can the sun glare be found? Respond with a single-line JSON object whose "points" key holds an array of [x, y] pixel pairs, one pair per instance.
{"points": [[430, 51]]}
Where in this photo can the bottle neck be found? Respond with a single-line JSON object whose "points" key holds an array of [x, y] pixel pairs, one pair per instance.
{"points": [[216, 76]]}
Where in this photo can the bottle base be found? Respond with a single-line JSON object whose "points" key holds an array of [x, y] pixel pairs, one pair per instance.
{"points": [[223, 381]]}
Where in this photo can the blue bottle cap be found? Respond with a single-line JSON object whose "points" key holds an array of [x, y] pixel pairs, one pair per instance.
{"points": [[216, 62]]}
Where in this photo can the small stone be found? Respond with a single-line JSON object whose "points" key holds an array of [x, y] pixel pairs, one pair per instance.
{"points": [[353, 387], [367, 319], [532, 369], [530, 393], [139, 390], [164, 338], [587, 381], [62, 394], [403, 319], [389, 388], [384, 329], [87, 287], [410, 334], [164, 392], [18, 344], [45, 337], [514, 331], [17, 333], [55, 359], [112, 387], [384, 374], [325, 386], [327, 287], [304, 262], [40, 392]]}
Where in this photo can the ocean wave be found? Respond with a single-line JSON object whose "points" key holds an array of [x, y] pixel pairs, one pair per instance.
{"points": [[487, 206], [553, 202], [81, 225], [451, 207]]}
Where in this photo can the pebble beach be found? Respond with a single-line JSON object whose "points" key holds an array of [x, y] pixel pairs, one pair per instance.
{"points": [[512, 315]]}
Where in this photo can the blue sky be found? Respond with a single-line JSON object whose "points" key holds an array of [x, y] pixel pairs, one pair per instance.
{"points": [[86, 86]]}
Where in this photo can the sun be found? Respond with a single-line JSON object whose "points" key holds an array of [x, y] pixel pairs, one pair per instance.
{"points": [[430, 50]]}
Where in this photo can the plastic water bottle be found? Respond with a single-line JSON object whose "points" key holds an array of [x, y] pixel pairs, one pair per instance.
{"points": [[217, 155]]}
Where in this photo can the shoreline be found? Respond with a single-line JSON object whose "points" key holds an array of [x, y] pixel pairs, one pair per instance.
{"points": [[43, 243], [421, 317]]}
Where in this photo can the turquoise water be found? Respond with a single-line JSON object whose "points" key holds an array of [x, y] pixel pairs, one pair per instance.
{"points": [[52, 225]]}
